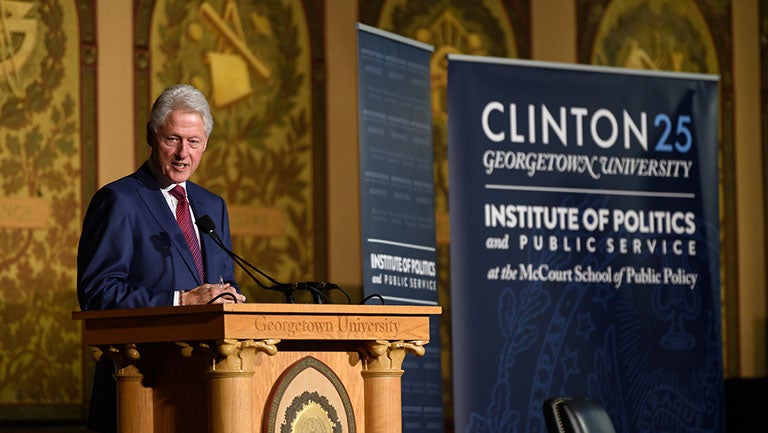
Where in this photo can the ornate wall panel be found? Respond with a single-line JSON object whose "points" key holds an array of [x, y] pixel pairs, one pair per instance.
{"points": [[47, 133], [258, 63], [475, 27], [682, 36]]}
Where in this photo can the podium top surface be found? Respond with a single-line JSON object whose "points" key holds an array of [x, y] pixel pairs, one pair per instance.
{"points": [[261, 308], [257, 321]]}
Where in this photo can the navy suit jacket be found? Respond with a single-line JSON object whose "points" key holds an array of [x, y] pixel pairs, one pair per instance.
{"points": [[132, 252]]}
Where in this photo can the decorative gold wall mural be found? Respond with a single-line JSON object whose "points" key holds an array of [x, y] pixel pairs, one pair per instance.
{"points": [[679, 36], [637, 34], [475, 27], [46, 142], [254, 61]]}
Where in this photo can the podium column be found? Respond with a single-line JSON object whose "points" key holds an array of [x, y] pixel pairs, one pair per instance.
{"points": [[382, 371], [230, 384], [134, 400]]}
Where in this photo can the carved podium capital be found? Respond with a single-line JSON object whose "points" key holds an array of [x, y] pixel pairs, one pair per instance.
{"points": [[229, 354], [124, 358], [240, 355], [386, 357]]}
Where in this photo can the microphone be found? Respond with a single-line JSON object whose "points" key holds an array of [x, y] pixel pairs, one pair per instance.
{"points": [[207, 226]]}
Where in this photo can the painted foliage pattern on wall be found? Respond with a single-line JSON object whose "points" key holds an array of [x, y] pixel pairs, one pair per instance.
{"points": [[40, 202], [251, 60], [637, 35]]}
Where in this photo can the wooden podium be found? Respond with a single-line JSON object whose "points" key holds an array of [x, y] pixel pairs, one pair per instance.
{"points": [[244, 368]]}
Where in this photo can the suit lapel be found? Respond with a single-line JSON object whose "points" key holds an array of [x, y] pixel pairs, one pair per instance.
{"points": [[158, 208]]}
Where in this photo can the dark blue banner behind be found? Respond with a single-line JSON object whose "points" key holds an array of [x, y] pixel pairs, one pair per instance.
{"points": [[584, 244], [397, 200]]}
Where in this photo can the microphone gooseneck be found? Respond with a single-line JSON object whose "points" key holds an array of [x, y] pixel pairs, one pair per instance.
{"points": [[207, 226]]}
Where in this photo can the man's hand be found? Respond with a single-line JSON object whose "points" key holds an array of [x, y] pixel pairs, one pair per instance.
{"points": [[203, 295]]}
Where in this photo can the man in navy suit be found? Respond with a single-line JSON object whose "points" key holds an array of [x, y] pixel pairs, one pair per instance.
{"points": [[133, 253]]}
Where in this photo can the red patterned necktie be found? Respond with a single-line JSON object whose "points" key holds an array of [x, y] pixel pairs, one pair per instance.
{"points": [[185, 222]]}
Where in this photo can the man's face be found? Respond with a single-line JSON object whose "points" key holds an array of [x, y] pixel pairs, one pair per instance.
{"points": [[179, 146]]}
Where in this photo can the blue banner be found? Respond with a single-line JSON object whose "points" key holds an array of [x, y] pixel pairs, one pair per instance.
{"points": [[584, 244], [397, 200]]}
